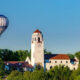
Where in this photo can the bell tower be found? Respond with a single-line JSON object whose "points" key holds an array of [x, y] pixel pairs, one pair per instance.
{"points": [[37, 49]]}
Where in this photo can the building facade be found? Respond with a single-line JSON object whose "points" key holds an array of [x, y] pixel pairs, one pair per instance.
{"points": [[18, 65], [48, 61], [52, 60]]}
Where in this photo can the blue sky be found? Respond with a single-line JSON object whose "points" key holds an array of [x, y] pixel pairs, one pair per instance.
{"points": [[59, 20]]}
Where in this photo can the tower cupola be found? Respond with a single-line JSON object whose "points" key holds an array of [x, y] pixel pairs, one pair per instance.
{"points": [[37, 36]]}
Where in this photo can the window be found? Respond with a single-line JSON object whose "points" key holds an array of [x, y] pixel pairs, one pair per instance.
{"points": [[50, 67], [66, 61], [74, 68], [35, 39], [55, 61], [38, 39], [61, 61]]}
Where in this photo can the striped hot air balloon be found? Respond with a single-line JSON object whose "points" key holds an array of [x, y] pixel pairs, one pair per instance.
{"points": [[3, 23]]}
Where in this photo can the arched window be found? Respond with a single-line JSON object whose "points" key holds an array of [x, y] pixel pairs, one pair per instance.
{"points": [[66, 61], [35, 39], [50, 67], [38, 39], [55, 61], [74, 68], [61, 61]]}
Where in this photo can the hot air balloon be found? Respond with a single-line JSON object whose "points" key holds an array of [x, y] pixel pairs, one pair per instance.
{"points": [[3, 23]]}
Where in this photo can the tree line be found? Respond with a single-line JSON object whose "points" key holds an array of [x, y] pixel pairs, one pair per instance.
{"points": [[20, 55], [56, 73], [9, 55]]}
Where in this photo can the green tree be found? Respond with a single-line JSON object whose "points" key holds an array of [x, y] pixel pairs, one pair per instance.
{"points": [[8, 55], [22, 54], [47, 52], [39, 75], [77, 54], [75, 74], [59, 73], [27, 75], [2, 67], [71, 56], [15, 75], [77, 77]]}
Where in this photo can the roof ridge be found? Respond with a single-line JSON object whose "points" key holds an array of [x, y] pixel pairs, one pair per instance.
{"points": [[37, 31]]}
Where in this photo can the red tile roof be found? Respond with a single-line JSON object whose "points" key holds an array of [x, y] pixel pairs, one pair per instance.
{"points": [[37, 31], [13, 62], [60, 56], [27, 65], [19, 64]]}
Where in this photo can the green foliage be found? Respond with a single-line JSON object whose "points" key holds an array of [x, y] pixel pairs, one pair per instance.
{"points": [[38, 75], [2, 71], [78, 78], [56, 73], [27, 75], [59, 73], [77, 54], [71, 56], [47, 52], [15, 75], [22, 54], [75, 74], [8, 55]]}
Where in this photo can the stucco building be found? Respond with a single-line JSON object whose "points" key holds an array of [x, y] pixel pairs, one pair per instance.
{"points": [[18, 65], [48, 61], [38, 57]]}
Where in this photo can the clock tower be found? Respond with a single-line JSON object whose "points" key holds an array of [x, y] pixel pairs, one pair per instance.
{"points": [[37, 49]]}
